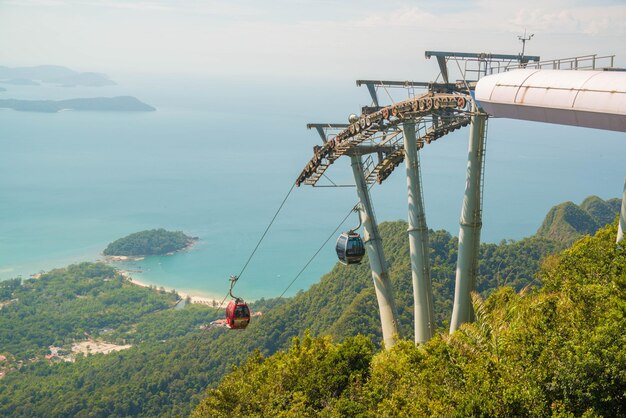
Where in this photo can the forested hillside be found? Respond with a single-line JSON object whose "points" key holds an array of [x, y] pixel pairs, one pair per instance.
{"points": [[172, 362], [556, 351], [568, 222], [67, 305]]}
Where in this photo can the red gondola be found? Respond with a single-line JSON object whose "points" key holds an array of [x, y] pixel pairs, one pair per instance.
{"points": [[237, 311], [237, 314]]}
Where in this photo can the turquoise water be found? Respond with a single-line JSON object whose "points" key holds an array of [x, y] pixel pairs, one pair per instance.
{"points": [[216, 159]]}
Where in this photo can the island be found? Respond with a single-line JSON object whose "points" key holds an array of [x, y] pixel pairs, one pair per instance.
{"points": [[20, 82], [107, 104], [150, 242], [54, 74]]}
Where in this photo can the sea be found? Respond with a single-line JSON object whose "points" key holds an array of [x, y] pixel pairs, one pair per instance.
{"points": [[218, 157]]}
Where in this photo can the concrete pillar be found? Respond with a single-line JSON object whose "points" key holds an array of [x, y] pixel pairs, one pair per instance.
{"points": [[471, 223], [418, 241], [374, 247]]}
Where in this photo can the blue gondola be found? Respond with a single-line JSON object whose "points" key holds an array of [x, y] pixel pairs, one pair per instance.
{"points": [[350, 248]]}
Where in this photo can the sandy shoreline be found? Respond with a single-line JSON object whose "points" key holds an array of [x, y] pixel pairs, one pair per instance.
{"points": [[192, 298], [184, 295]]}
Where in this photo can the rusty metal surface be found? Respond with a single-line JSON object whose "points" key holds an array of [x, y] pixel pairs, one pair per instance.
{"points": [[444, 112]]}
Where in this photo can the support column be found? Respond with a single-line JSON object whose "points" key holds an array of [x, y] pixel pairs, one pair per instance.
{"points": [[471, 223], [374, 247], [418, 241], [622, 217]]}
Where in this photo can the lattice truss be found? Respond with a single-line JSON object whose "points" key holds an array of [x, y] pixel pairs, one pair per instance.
{"points": [[378, 131]]}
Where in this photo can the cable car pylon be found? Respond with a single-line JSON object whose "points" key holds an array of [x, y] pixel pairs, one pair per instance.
{"points": [[418, 241], [374, 247], [379, 132], [471, 224]]}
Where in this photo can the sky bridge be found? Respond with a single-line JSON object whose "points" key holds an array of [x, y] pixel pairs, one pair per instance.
{"points": [[583, 91]]}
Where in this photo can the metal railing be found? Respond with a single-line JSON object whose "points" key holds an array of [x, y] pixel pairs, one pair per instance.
{"points": [[583, 62]]}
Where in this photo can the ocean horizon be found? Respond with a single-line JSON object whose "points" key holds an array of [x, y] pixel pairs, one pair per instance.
{"points": [[215, 160]]}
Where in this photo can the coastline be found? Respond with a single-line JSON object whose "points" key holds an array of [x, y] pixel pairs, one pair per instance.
{"points": [[190, 298], [184, 295]]}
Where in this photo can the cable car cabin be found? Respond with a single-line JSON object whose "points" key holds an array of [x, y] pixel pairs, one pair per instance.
{"points": [[350, 249], [237, 314]]}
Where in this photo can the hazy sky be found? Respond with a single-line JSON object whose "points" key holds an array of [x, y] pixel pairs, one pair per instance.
{"points": [[313, 39]]}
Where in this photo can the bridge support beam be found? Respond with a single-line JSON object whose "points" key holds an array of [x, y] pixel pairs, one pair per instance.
{"points": [[418, 241], [374, 247], [622, 217], [471, 223]]}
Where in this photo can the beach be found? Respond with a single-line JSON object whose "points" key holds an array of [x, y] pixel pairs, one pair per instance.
{"points": [[184, 295]]}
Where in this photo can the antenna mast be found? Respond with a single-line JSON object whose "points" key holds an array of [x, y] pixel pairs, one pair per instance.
{"points": [[524, 38]]}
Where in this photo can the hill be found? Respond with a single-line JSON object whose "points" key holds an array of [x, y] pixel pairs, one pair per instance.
{"points": [[55, 74], [172, 362], [568, 222], [557, 351], [149, 242], [46, 323], [67, 305], [106, 104]]}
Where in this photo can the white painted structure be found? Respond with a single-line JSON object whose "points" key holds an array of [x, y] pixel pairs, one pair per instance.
{"points": [[419, 248], [374, 247], [592, 99], [471, 224]]}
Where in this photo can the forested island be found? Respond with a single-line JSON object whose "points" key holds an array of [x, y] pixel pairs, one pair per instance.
{"points": [[108, 104], [150, 242], [549, 340]]}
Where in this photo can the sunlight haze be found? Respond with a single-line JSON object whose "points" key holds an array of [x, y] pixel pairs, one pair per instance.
{"points": [[310, 39]]}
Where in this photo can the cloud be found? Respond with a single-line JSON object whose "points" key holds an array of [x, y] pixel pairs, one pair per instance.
{"points": [[407, 17], [562, 21], [297, 36], [566, 17], [36, 3], [129, 5]]}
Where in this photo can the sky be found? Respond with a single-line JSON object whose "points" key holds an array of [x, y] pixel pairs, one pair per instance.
{"points": [[302, 39]]}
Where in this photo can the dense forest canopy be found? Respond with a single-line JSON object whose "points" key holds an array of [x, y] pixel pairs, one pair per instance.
{"points": [[555, 351], [567, 222], [150, 242], [67, 305], [172, 362]]}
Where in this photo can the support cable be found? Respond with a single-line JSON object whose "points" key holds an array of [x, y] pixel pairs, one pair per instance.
{"points": [[266, 230], [464, 78], [388, 94], [332, 234], [237, 277], [328, 178]]}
